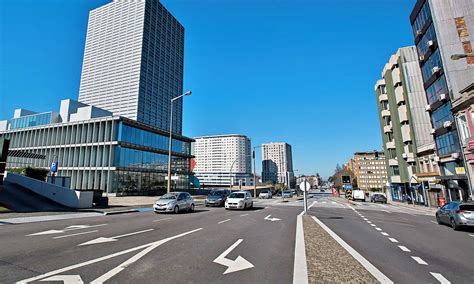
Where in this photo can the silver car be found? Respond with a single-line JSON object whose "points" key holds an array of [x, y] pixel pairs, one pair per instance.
{"points": [[456, 214], [174, 202]]}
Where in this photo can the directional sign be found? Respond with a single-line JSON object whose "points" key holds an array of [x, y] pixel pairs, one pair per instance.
{"points": [[53, 167], [70, 228], [305, 186], [238, 264], [271, 219], [112, 239]]}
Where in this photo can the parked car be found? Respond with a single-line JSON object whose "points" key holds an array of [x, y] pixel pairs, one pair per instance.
{"points": [[287, 194], [358, 195], [265, 194], [217, 197], [239, 200], [174, 202], [378, 197], [456, 214]]}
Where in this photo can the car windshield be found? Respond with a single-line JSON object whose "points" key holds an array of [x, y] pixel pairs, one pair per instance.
{"points": [[169, 196], [237, 195], [265, 191], [217, 193]]}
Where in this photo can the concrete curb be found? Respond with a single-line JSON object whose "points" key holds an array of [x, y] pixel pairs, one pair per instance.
{"points": [[121, 212]]}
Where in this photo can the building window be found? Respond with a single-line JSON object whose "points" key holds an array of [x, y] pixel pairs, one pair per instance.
{"points": [[463, 128], [447, 143], [435, 89], [441, 115]]}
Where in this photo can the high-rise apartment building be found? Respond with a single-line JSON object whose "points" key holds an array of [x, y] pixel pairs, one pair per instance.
{"points": [[222, 160], [440, 29], [370, 171], [277, 163], [133, 62], [408, 144]]}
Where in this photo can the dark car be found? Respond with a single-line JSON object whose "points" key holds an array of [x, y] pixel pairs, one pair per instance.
{"points": [[217, 197], [456, 214], [377, 197]]}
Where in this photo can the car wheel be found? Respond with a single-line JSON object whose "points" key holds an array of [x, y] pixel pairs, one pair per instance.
{"points": [[245, 206], [207, 205], [438, 220], [454, 225], [176, 210], [191, 209]]}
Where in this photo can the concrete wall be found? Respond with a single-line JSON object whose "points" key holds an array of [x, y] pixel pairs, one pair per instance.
{"points": [[65, 196]]}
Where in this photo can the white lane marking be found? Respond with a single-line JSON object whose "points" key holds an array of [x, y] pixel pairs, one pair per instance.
{"points": [[271, 219], [300, 271], [323, 202], [362, 217], [434, 222], [70, 228], [440, 278], [404, 248], [223, 221], [333, 202], [369, 222], [75, 266], [365, 219], [76, 234], [385, 234], [364, 262], [393, 240], [373, 225], [66, 279], [419, 260], [112, 239], [472, 235], [164, 219], [378, 229], [238, 264], [244, 215]]}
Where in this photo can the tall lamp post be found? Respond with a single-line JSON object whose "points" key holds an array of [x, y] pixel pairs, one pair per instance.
{"points": [[230, 172], [170, 143]]}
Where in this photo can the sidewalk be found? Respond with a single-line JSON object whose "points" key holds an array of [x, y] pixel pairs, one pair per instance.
{"points": [[416, 207]]}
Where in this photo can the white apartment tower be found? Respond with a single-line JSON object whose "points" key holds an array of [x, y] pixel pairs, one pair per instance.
{"points": [[133, 62], [277, 163], [223, 160]]}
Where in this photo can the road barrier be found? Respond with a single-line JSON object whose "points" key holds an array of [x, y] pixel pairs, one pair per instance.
{"points": [[349, 194]]}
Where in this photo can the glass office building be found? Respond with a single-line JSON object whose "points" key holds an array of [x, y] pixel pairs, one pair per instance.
{"points": [[113, 154]]}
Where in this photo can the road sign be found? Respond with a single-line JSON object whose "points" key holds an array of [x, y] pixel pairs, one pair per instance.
{"points": [[347, 186], [53, 167], [305, 186], [460, 170]]}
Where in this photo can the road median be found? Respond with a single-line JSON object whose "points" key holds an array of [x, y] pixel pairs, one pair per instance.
{"points": [[328, 261]]}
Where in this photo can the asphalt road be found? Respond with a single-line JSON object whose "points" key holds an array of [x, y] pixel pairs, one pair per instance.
{"points": [[426, 247], [39, 251]]}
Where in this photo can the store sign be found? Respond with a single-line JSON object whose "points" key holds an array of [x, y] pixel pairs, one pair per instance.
{"points": [[460, 171]]}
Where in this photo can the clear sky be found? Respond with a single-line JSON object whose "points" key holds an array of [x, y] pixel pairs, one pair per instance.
{"points": [[297, 71]]}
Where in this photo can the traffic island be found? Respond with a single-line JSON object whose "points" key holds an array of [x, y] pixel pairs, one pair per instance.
{"points": [[327, 261]]}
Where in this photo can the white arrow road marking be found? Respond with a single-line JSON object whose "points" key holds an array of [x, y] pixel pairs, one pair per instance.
{"points": [[440, 278], [70, 228], [112, 239], [238, 264], [79, 265], [76, 234], [66, 279], [271, 219]]}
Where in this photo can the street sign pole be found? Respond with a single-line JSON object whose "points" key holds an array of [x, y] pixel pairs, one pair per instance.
{"points": [[305, 198]]}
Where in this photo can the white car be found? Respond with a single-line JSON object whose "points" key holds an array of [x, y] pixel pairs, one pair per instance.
{"points": [[358, 195], [239, 200], [264, 194]]}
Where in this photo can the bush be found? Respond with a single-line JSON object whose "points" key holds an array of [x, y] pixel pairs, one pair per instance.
{"points": [[36, 173]]}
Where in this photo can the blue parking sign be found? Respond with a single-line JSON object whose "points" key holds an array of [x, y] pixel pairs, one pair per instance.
{"points": [[53, 167]]}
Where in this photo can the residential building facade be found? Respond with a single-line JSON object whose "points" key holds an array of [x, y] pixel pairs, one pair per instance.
{"points": [[223, 160], [97, 150], [370, 170], [133, 62], [277, 163], [405, 125], [441, 29]]}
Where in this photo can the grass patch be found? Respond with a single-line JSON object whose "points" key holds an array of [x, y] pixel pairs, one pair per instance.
{"points": [[4, 210]]}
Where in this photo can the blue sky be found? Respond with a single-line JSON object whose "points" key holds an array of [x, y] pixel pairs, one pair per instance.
{"points": [[298, 71]]}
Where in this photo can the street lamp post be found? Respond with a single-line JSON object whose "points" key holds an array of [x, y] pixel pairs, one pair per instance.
{"points": [[231, 184], [170, 143], [459, 56]]}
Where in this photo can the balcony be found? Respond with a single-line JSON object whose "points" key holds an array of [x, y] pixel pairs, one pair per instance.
{"points": [[390, 145], [406, 133], [396, 77], [387, 129], [395, 179], [383, 97], [385, 113], [399, 94], [409, 157], [402, 113], [392, 162]]}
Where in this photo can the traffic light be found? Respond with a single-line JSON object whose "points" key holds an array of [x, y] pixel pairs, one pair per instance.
{"points": [[346, 179], [376, 153]]}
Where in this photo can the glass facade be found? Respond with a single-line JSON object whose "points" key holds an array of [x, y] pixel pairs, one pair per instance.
{"points": [[31, 120], [422, 46], [436, 88], [422, 18], [433, 61], [447, 143], [441, 115]]}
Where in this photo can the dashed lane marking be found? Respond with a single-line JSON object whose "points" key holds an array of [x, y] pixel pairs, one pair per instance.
{"points": [[440, 278], [223, 221], [385, 234], [164, 219], [373, 225], [243, 215], [404, 248], [393, 240], [419, 260], [378, 229]]}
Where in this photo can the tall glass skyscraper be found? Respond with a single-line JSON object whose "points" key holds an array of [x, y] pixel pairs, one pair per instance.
{"points": [[133, 62]]}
